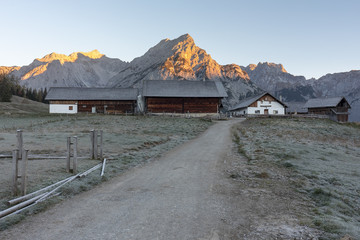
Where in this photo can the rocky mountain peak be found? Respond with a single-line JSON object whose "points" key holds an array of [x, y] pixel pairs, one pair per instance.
{"points": [[266, 66], [62, 58], [7, 70], [182, 59]]}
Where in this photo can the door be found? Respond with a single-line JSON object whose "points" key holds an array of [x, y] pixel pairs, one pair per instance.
{"points": [[266, 111], [93, 110]]}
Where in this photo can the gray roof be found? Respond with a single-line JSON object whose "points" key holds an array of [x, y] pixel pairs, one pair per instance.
{"points": [[297, 107], [76, 93], [248, 101], [183, 88], [323, 102]]}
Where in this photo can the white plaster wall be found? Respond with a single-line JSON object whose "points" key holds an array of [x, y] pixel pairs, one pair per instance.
{"points": [[267, 105], [62, 108]]}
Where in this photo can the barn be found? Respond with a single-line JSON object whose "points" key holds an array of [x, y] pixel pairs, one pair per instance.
{"points": [[92, 100], [336, 108], [183, 96], [264, 104]]}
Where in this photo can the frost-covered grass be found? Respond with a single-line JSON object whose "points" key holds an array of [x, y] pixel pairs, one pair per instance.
{"points": [[324, 157], [128, 141]]}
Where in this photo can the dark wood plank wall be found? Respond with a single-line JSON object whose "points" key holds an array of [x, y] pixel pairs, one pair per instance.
{"points": [[327, 111], [182, 105], [342, 117], [111, 106], [321, 111]]}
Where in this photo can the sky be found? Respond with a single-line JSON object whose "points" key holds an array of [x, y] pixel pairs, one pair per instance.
{"points": [[309, 37]]}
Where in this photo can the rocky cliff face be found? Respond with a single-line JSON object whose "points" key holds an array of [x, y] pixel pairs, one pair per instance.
{"points": [[273, 77], [7, 70], [79, 69]]}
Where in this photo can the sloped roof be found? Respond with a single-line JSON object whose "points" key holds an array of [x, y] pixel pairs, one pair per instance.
{"points": [[183, 88], [76, 93], [323, 102], [297, 107], [248, 101]]}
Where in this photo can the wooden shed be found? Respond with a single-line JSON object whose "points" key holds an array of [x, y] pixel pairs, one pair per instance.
{"points": [[336, 108], [183, 96], [265, 103], [92, 100]]}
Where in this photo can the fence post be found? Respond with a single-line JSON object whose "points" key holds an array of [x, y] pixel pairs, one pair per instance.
{"points": [[68, 155], [24, 161], [75, 155], [92, 138], [101, 144], [96, 144], [20, 142], [15, 165]]}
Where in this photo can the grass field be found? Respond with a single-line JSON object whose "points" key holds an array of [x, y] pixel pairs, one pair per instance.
{"points": [[323, 158], [128, 141]]}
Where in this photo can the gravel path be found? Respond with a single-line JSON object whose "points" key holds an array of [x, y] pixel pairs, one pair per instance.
{"points": [[183, 195]]}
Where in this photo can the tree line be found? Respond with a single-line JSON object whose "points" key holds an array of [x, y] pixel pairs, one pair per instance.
{"points": [[9, 86]]}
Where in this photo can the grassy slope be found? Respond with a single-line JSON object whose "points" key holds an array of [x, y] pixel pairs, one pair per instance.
{"points": [[324, 158], [128, 141], [19, 105]]}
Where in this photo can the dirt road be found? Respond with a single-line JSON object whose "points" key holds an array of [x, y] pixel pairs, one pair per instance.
{"points": [[186, 194]]}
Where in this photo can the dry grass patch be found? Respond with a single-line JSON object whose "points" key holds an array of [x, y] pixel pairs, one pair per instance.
{"points": [[323, 157]]}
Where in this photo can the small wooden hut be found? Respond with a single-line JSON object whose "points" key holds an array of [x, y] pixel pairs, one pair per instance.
{"points": [[336, 108]]}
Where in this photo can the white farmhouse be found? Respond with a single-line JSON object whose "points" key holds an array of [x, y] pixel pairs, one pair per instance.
{"points": [[264, 104]]}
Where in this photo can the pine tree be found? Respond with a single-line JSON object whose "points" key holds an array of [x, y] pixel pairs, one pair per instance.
{"points": [[44, 96], [6, 86]]}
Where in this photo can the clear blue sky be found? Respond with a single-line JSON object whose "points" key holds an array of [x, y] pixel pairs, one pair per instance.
{"points": [[309, 37]]}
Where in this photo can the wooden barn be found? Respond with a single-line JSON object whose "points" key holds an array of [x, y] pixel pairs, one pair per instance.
{"points": [[182, 96], [336, 108], [264, 104], [92, 100]]}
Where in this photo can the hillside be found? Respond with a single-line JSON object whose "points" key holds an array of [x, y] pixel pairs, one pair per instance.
{"points": [[23, 106]]}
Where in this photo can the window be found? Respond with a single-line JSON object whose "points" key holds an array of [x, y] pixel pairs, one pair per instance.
{"points": [[257, 111], [70, 108], [275, 112]]}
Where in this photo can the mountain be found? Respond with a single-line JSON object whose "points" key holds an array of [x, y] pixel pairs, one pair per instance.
{"points": [[181, 59], [79, 69], [275, 79], [168, 60]]}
